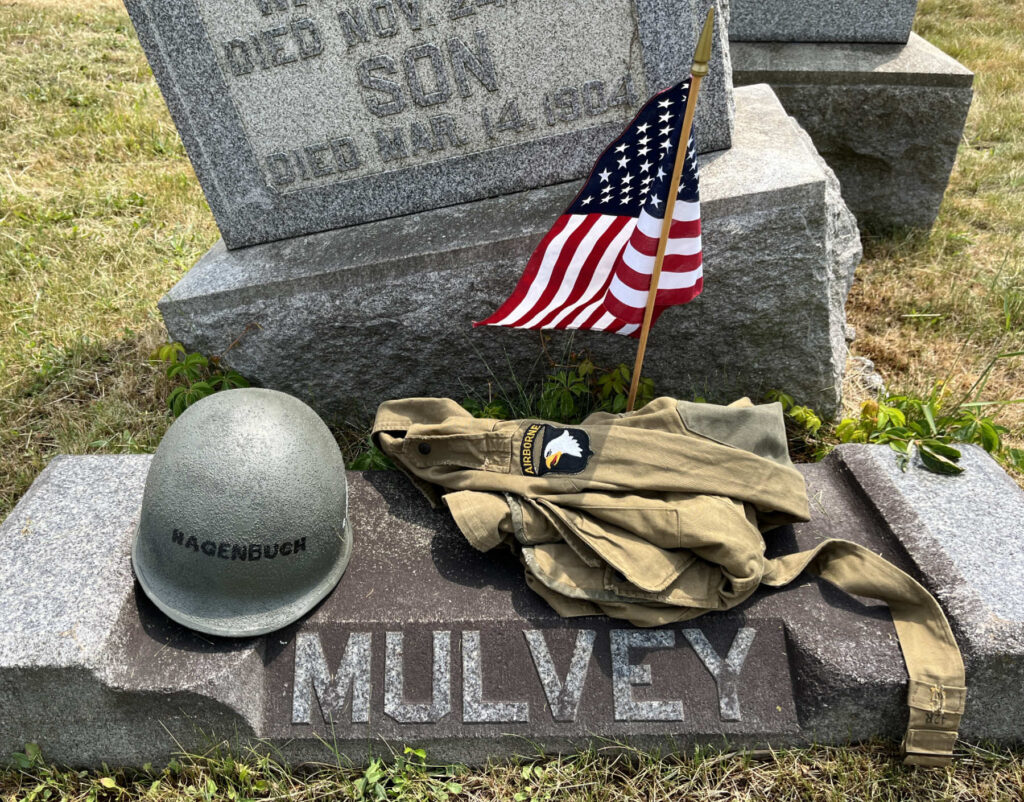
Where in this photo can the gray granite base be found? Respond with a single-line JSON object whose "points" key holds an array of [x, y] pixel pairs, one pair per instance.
{"points": [[821, 20], [428, 642], [351, 317], [887, 118]]}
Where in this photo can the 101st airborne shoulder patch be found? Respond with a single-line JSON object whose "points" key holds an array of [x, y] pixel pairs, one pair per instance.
{"points": [[551, 449]]}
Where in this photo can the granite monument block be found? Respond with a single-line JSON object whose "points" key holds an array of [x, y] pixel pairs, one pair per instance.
{"points": [[887, 118], [821, 20], [302, 116], [348, 318], [427, 642]]}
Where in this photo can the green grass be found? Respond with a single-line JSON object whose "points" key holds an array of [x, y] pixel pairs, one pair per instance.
{"points": [[938, 304], [831, 774], [100, 213]]}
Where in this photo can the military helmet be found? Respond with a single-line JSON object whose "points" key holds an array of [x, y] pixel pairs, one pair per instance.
{"points": [[244, 523]]}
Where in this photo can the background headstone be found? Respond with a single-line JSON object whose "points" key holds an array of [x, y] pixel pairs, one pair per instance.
{"points": [[885, 108], [304, 116], [348, 318], [467, 662], [887, 118], [821, 20]]}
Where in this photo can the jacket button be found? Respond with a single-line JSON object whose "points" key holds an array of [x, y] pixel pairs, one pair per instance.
{"points": [[423, 448]]}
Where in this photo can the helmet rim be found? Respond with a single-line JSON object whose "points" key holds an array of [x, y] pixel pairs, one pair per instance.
{"points": [[251, 624]]}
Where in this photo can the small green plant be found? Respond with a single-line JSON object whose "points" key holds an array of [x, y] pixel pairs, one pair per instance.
{"points": [[804, 417], [373, 783], [535, 776], [409, 777], [581, 387], [194, 376], [568, 394], [803, 428], [930, 426], [494, 408], [370, 459], [905, 424], [29, 759]]}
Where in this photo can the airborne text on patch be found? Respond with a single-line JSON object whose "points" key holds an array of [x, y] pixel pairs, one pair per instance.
{"points": [[526, 449]]}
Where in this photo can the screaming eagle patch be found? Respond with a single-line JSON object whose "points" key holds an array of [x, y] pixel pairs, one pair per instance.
{"points": [[550, 449]]}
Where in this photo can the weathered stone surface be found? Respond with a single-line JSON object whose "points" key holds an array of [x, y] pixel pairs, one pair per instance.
{"points": [[965, 536], [822, 20], [302, 117], [348, 318], [886, 118], [67, 602], [426, 641]]}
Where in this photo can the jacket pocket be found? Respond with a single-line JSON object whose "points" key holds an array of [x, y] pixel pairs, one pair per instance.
{"points": [[487, 451], [626, 550], [761, 429]]}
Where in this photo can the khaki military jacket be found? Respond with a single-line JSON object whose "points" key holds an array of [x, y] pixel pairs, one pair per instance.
{"points": [[653, 520], [656, 516]]}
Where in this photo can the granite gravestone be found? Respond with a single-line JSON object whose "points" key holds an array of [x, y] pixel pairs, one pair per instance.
{"points": [[346, 317], [304, 115], [821, 20], [885, 108], [430, 643]]}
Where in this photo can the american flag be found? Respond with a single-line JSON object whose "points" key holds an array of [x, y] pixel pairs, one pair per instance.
{"points": [[593, 268]]}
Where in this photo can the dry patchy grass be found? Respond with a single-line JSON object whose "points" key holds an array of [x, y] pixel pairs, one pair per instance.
{"points": [[937, 305], [615, 775], [100, 213], [98, 396]]}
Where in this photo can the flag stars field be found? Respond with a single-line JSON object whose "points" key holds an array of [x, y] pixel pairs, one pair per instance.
{"points": [[593, 269]]}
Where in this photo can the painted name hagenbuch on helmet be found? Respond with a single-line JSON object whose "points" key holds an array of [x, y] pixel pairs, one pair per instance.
{"points": [[227, 550]]}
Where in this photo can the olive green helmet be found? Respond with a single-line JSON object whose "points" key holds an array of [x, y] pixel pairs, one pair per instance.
{"points": [[244, 523]]}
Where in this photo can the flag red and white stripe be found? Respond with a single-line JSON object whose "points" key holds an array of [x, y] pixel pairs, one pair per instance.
{"points": [[593, 268]]}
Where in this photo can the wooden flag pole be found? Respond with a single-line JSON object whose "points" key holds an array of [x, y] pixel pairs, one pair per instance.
{"points": [[700, 68]]}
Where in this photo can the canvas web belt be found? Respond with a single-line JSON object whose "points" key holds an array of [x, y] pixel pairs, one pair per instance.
{"points": [[936, 691]]}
